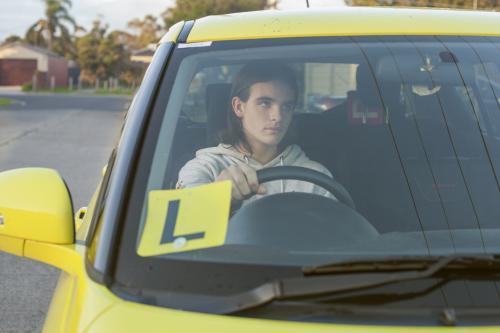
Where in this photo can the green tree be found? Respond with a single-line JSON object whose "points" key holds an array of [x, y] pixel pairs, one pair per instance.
{"points": [[146, 31], [459, 4], [112, 56], [191, 9], [87, 50], [100, 54], [12, 39], [45, 31]]}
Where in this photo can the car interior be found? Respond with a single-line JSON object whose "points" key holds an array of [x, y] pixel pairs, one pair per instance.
{"points": [[388, 142]]}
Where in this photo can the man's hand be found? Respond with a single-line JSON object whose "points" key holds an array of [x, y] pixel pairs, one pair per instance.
{"points": [[244, 180]]}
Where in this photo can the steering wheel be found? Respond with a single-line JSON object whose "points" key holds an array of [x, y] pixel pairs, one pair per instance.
{"points": [[308, 175], [299, 221]]}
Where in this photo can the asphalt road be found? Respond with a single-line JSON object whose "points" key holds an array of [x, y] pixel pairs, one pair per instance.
{"points": [[74, 135]]}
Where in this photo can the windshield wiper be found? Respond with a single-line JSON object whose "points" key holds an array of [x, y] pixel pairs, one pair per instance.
{"points": [[402, 263], [343, 277]]}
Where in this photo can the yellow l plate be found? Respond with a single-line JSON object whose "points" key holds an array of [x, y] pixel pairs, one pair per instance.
{"points": [[186, 219]]}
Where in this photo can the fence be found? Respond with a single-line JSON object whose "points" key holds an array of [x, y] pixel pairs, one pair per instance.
{"points": [[110, 84]]}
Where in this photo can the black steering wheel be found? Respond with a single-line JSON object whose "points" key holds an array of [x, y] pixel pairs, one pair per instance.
{"points": [[299, 221], [308, 175]]}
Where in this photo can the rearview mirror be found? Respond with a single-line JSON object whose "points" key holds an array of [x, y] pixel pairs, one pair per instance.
{"points": [[35, 204]]}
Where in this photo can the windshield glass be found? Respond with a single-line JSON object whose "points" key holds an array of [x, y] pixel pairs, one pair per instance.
{"points": [[406, 128]]}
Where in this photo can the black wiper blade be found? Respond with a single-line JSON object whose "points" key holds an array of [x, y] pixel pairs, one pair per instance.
{"points": [[327, 284], [404, 263]]}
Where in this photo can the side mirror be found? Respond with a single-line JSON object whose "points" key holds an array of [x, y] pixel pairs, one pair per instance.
{"points": [[35, 204]]}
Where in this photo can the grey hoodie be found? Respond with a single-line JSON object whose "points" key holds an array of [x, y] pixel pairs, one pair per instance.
{"points": [[210, 162]]}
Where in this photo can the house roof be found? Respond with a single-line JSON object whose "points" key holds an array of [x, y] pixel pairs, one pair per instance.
{"points": [[144, 52], [32, 48]]}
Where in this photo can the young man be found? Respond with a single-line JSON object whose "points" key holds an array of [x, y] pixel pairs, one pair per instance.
{"points": [[263, 96]]}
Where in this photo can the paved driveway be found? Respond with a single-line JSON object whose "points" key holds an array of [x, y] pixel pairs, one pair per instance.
{"points": [[74, 135]]}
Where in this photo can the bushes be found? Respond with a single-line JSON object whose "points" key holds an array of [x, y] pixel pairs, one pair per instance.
{"points": [[28, 86]]}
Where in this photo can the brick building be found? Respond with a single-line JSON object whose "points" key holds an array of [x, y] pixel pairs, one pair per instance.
{"points": [[19, 62]]}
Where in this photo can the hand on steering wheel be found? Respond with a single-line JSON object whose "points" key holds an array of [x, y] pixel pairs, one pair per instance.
{"points": [[244, 181], [308, 175], [247, 182]]}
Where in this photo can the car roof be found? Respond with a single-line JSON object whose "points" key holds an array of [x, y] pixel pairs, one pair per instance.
{"points": [[340, 21]]}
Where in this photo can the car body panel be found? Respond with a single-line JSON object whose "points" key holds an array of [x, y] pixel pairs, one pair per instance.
{"points": [[129, 317], [172, 33], [83, 226], [64, 257], [12, 245], [77, 300], [76, 304], [356, 21], [35, 205]]}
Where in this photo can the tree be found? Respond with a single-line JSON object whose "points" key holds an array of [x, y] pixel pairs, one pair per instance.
{"points": [[87, 50], [145, 31], [12, 39], [459, 4], [101, 54], [190, 9], [45, 31]]}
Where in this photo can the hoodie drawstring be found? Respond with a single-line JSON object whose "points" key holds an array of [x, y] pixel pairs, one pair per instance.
{"points": [[282, 181], [281, 163]]}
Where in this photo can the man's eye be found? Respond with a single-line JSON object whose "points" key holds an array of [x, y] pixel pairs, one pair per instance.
{"points": [[287, 108], [266, 104]]}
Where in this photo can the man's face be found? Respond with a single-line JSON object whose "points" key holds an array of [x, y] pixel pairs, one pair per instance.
{"points": [[267, 113]]}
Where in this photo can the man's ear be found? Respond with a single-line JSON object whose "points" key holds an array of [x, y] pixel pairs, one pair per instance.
{"points": [[237, 105]]}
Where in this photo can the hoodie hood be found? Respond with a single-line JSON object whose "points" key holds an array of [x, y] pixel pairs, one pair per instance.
{"points": [[210, 162], [291, 155]]}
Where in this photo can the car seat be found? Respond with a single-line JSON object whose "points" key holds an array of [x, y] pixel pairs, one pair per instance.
{"points": [[217, 104], [364, 152], [191, 136]]}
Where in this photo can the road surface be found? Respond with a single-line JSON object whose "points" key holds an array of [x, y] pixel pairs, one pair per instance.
{"points": [[70, 133]]}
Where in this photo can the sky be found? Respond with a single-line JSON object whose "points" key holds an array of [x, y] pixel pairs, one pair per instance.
{"points": [[17, 15]]}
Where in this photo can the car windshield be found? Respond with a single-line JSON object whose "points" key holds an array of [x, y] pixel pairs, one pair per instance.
{"points": [[408, 129]]}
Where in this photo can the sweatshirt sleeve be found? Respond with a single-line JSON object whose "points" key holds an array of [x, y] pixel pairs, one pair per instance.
{"points": [[194, 173], [321, 168]]}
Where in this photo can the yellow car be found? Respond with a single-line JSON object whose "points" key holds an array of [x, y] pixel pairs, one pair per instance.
{"points": [[332, 170]]}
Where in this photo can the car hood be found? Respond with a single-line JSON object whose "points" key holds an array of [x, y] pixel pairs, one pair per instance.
{"points": [[131, 317]]}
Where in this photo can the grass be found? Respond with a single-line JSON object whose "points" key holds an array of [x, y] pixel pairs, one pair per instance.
{"points": [[118, 91], [5, 101], [63, 90], [56, 90]]}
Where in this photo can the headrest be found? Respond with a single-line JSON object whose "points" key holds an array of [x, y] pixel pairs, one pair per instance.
{"points": [[360, 114], [217, 104], [366, 88]]}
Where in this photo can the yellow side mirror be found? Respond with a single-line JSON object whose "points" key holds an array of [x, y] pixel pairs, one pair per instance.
{"points": [[35, 205]]}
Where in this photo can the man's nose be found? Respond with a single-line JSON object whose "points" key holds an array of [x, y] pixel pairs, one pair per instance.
{"points": [[276, 113]]}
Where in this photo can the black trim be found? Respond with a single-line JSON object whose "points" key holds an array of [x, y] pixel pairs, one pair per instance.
{"points": [[94, 275], [72, 207], [186, 29], [100, 269], [99, 204]]}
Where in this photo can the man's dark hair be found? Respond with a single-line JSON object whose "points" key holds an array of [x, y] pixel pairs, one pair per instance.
{"points": [[250, 74]]}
